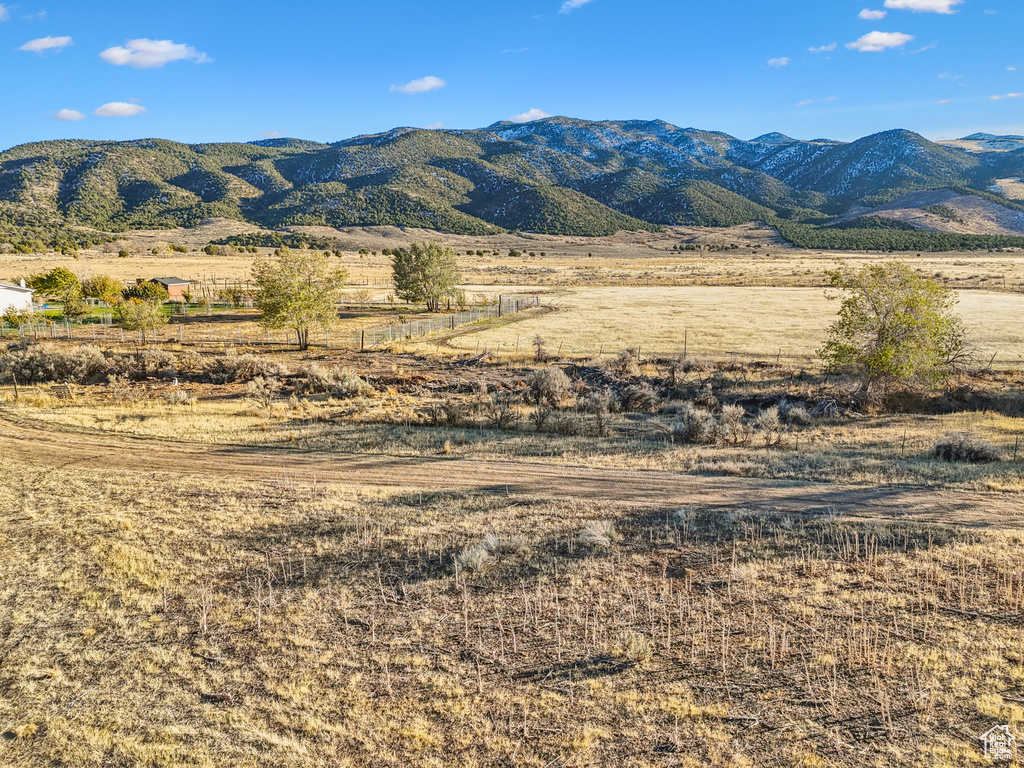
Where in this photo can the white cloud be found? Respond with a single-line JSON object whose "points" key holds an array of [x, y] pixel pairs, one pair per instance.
{"points": [[46, 44], [144, 53], [571, 5], [69, 114], [868, 15], [1007, 96], [946, 101], [529, 117], [423, 85], [119, 109], [873, 42], [924, 6], [271, 134], [805, 103], [831, 98], [4, 13], [823, 48], [779, 62], [435, 127], [1011, 69]]}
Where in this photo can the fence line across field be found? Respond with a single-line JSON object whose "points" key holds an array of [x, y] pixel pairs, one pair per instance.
{"points": [[507, 305], [175, 332]]}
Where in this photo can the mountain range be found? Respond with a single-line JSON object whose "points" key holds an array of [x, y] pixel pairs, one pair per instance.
{"points": [[556, 176]]}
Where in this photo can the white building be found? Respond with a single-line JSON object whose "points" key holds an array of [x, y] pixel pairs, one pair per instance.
{"points": [[17, 296]]}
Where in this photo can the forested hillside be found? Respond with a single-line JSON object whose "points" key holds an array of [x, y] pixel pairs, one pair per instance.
{"points": [[555, 176]]}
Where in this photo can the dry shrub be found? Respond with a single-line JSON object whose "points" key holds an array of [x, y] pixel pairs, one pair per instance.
{"points": [[769, 424], [965, 447], [150, 362], [627, 363], [231, 367], [600, 401], [540, 352], [349, 385], [122, 389], [548, 386], [262, 391], [177, 396], [798, 416], [190, 361], [641, 397], [541, 417], [501, 414], [40, 363], [706, 398], [450, 413], [731, 428], [633, 648], [697, 426], [566, 425], [316, 379]]}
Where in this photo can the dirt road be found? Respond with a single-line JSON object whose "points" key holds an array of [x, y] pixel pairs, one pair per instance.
{"points": [[45, 446]]}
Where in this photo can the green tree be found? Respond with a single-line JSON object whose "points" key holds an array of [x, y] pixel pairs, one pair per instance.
{"points": [[136, 314], [104, 288], [147, 291], [299, 290], [56, 283], [426, 273], [895, 328], [62, 284]]}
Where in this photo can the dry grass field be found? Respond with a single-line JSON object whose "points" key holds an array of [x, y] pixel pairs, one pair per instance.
{"points": [[158, 620], [459, 552], [719, 322], [627, 259]]}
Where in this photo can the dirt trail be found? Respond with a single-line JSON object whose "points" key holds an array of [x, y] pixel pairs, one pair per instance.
{"points": [[45, 446]]}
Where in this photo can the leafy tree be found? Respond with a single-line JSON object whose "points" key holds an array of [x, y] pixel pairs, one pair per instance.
{"points": [[62, 284], [56, 283], [136, 314], [104, 288], [425, 273], [299, 290], [895, 327], [147, 291]]}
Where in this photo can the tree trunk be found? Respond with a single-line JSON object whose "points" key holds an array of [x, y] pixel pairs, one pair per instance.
{"points": [[302, 337]]}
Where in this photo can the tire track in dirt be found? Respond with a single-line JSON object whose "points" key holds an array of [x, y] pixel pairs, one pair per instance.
{"points": [[44, 446]]}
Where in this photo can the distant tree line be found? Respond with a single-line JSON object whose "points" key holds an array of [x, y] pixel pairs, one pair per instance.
{"points": [[880, 234]]}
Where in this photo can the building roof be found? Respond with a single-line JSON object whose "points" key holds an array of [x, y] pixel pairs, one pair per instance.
{"points": [[169, 281], [19, 288]]}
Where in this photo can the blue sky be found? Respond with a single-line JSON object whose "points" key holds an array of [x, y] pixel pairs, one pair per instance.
{"points": [[210, 70]]}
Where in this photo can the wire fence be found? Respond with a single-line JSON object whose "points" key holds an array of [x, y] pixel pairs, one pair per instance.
{"points": [[184, 329], [506, 305]]}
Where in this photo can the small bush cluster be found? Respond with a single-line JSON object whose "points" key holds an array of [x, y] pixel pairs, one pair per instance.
{"points": [[40, 363], [548, 386], [176, 396], [641, 397], [262, 391], [964, 447], [316, 379], [228, 368]]}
